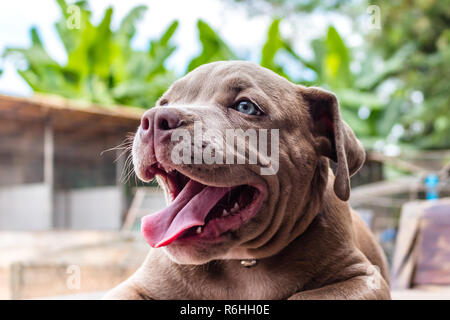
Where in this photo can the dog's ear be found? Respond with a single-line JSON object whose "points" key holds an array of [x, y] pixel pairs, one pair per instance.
{"points": [[333, 137]]}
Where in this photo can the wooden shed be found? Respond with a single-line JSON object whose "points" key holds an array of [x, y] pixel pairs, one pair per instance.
{"points": [[53, 173]]}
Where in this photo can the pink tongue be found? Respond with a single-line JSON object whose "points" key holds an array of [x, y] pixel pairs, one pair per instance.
{"points": [[188, 210]]}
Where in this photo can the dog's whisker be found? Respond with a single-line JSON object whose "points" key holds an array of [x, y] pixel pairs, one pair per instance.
{"points": [[121, 155], [127, 169], [124, 145]]}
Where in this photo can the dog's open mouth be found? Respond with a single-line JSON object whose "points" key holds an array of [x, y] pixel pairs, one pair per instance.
{"points": [[199, 211]]}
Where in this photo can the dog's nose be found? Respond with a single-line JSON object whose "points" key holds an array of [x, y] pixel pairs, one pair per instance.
{"points": [[158, 123], [166, 120]]}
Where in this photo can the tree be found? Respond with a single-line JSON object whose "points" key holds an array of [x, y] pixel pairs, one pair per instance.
{"points": [[101, 66], [360, 105], [422, 97], [213, 47]]}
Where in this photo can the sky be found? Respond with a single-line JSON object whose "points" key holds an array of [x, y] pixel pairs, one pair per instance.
{"points": [[244, 33]]}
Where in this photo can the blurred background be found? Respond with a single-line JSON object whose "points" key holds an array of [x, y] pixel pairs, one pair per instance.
{"points": [[75, 77]]}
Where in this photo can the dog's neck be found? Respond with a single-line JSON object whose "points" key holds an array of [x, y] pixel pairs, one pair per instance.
{"points": [[303, 214]]}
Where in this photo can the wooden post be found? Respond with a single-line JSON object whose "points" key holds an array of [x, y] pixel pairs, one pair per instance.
{"points": [[49, 166]]}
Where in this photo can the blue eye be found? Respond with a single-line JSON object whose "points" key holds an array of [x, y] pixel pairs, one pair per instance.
{"points": [[248, 107]]}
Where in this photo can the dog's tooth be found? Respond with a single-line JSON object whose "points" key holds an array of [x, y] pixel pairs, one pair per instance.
{"points": [[199, 230], [225, 213], [235, 208]]}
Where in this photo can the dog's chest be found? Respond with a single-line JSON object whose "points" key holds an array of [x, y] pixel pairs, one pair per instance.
{"points": [[241, 283], [253, 283]]}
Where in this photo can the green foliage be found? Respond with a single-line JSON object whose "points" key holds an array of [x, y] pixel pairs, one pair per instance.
{"points": [[331, 66], [213, 47], [101, 66], [273, 45], [423, 27]]}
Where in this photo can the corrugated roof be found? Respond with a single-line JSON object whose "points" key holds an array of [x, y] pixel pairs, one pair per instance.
{"points": [[66, 117], [40, 106]]}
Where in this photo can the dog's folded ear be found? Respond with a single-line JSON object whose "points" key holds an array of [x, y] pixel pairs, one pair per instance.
{"points": [[333, 137]]}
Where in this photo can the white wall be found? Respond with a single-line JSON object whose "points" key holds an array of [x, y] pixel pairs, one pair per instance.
{"points": [[28, 207], [98, 208], [25, 207]]}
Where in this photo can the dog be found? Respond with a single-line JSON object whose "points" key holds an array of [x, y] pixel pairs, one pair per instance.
{"points": [[231, 232]]}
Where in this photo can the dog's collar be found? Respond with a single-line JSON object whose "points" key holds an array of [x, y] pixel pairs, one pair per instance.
{"points": [[248, 263]]}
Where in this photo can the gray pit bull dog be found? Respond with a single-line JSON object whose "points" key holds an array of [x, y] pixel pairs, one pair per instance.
{"points": [[229, 231]]}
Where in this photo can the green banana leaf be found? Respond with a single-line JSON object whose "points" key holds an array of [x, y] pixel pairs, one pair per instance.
{"points": [[213, 47], [102, 66]]}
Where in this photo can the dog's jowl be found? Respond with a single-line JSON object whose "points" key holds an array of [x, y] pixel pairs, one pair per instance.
{"points": [[263, 216]]}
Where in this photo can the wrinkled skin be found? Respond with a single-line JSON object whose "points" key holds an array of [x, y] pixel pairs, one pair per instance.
{"points": [[308, 241]]}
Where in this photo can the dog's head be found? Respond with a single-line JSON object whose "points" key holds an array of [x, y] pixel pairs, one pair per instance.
{"points": [[242, 155]]}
